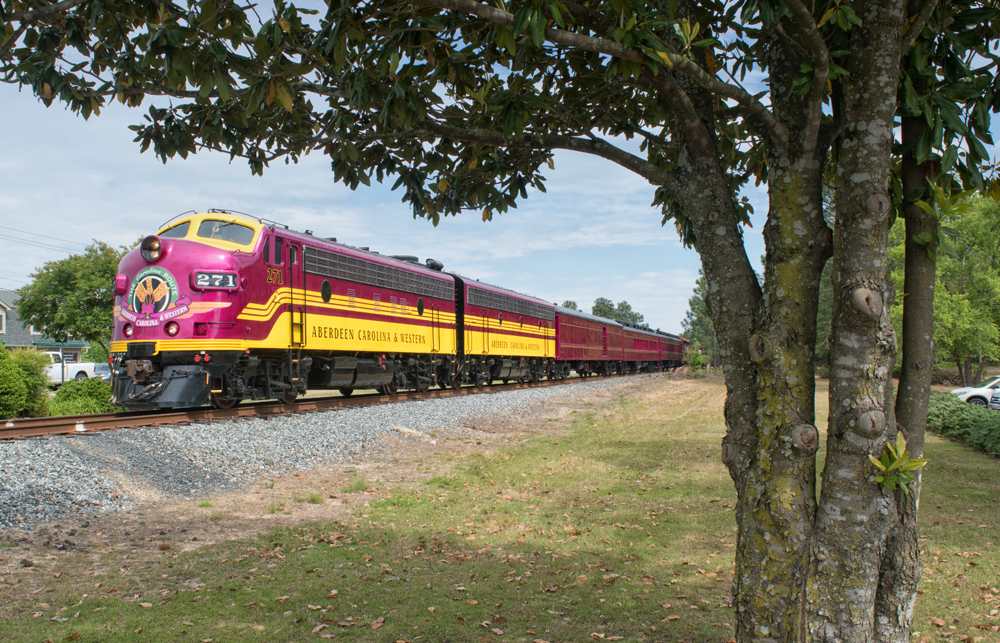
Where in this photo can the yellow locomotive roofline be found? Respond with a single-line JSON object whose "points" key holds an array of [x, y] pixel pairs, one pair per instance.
{"points": [[196, 219]]}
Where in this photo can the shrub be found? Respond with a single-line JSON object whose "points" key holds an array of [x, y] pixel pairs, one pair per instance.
{"points": [[13, 392], [953, 418], [695, 359], [32, 365], [84, 396]]}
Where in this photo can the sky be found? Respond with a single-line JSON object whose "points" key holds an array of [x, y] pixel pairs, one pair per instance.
{"points": [[65, 181]]}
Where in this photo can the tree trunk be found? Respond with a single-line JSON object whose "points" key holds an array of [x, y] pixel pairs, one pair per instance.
{"points": [[898, 583], [979, 371], [850, 542]]}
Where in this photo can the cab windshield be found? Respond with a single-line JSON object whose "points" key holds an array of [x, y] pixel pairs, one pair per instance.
{"points": [[225, 231], [177, 232]]}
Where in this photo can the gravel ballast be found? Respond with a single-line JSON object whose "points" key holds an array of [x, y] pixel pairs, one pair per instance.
{"points": [[48, 478]]}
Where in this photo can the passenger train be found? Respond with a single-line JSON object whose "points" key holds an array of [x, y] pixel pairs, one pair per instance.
{"points": [[219, 307]]}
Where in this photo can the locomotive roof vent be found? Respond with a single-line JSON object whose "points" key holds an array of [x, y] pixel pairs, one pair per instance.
{"points": [[434, 264], [333, 239], [406, 258]]}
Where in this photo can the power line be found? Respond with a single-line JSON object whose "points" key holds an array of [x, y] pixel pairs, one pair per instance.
{"points": [[12, 279], [36, 244], [44, 236]]}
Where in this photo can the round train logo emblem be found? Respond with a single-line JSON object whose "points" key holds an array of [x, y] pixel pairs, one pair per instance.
{"points": [[153, 298]]}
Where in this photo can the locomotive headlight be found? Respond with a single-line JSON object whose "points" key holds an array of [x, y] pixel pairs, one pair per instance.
{"points": [[151, 248], [172, 329], [127, 330]]}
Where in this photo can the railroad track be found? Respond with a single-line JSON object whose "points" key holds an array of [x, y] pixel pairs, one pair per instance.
{"points": [[20, 428]]}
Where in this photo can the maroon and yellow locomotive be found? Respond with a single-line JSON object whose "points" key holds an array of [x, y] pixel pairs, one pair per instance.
{"points": [[219, 307]]}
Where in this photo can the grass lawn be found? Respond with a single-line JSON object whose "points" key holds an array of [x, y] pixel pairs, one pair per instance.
{"points": [[617, 525]]}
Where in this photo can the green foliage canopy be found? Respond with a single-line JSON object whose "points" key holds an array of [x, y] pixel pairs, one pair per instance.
{"points": [[697, 323], [604, 307], [74, 297]]}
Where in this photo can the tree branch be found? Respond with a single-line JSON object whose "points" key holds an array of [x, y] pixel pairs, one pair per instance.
{"points": [[35, 14], [611, 48], [821, 68], [7, 46], [917, 24]]}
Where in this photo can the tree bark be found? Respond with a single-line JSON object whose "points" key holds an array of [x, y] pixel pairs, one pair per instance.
{"points": [[900, 576], [849, 545]]}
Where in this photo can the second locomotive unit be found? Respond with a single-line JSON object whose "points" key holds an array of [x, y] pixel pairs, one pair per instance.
{"points": [[219, 307]]}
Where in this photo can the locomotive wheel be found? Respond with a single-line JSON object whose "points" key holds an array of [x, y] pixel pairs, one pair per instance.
{"points": [[456, 383], [224, 403], [388, 389], [346, 392], [505, 380], [289, 397]]}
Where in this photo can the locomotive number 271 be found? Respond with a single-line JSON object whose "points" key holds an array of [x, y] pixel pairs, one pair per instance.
{"points": [[274, 276]]}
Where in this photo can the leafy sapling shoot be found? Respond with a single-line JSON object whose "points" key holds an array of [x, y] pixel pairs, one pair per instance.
{"points": [[895, 464]]}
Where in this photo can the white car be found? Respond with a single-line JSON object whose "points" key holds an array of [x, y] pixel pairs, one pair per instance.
{"points": [[979, 395]]}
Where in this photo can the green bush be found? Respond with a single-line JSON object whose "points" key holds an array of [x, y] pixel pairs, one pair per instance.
{"points": [[696, 360], [953, 418], [13, 392], [79, 397], [32, 365]]}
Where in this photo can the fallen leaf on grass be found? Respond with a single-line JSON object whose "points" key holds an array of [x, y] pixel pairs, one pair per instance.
{"points": [[328, 636], [431, 609], [497, 632], [673, 617], [145, 604], [188, 623], [938, 622], [72, 637], [377, 623], [315, 629], [472, 601], [332, 594], [259, 628]]}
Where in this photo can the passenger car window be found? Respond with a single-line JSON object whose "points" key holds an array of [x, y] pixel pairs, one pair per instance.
{"points": [[225, 231], [177, 232]]}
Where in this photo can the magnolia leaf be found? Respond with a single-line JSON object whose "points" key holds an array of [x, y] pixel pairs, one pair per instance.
{"points": [[282, 96], [876, 462]]}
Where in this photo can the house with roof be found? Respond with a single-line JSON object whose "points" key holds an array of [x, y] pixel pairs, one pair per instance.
{"points": [[15, 334]]}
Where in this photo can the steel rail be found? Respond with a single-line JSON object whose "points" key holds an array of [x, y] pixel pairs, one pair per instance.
{"points": [[21, 428]]}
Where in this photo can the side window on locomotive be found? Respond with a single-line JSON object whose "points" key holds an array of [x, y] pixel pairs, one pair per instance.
{"points": [[267, 250], [292, 254], [277, 251]]}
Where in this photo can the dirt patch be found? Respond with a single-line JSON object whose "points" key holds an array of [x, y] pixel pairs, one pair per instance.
{"points": [[160, 526]]}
